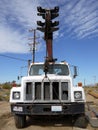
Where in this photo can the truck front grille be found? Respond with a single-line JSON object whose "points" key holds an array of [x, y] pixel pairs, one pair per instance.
{"points": [[47, 91]]}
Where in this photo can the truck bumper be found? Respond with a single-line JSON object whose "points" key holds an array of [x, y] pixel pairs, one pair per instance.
{"points": [[48, 109]]}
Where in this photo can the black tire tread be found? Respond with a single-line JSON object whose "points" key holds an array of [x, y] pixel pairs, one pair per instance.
{"points": [[81, 122], [20, 121]]}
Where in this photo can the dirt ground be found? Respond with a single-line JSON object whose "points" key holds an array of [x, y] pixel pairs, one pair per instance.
{"points": [[7, 120]]}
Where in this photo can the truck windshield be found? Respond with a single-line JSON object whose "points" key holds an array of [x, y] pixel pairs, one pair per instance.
{"points": [[58, 69]]}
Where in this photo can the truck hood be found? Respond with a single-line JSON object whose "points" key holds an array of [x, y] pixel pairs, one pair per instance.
{"points": [[43, 78]]}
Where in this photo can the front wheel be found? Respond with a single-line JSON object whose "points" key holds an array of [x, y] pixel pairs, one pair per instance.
{"points": [[20, 121], [81, 121]]}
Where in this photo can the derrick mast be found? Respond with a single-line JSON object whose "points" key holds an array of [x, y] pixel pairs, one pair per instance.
{"points": [[48, 27]]}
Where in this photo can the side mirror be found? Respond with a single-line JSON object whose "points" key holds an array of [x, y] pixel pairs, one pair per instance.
{"points": [[75, 72], [19, 77]]}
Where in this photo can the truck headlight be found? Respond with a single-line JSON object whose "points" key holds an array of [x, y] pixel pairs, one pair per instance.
{"points": [[16, 95], [78, 95]]}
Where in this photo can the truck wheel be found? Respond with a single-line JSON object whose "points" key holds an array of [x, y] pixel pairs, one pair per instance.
{"points": [[20, 121], [81, 122]]}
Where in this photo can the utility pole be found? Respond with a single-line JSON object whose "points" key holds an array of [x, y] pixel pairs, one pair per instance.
{"points": [[94, 80], [84, 82], [33, 45]]}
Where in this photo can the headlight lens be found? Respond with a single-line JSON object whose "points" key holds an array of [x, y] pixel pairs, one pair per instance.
{"points": [[78, 95], [16, 95]]}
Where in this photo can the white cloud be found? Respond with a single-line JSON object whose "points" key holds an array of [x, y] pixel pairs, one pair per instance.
{"points": [[78, 19], [12, 41], [16, 18], [21, 11]]}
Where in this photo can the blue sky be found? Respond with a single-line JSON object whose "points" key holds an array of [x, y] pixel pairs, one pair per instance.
{"points": [[75, 42]]}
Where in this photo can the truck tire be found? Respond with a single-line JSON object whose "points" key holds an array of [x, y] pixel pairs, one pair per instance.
{"points": [[20, 121], [81, 122]]}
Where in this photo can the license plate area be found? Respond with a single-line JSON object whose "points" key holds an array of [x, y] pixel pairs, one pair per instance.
{"points": [[17, 109], [56, 108]]}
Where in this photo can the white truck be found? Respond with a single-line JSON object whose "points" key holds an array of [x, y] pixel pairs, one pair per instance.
{"points": [[53, 94], [48, 89]]}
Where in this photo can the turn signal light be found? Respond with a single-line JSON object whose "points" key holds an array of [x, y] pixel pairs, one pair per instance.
{"points": [[80, 84]]}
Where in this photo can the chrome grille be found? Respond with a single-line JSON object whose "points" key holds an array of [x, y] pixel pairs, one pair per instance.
{"points": [[47, 91]]}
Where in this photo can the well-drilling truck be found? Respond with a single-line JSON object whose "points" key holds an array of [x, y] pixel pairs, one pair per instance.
{"points": [[48, 89]]}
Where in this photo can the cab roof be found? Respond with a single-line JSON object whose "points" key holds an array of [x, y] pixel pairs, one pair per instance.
{"points": [[37, 63]]}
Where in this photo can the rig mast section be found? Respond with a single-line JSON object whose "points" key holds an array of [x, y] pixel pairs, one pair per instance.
{"points": [[48, 27]]}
